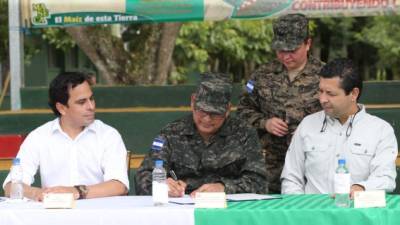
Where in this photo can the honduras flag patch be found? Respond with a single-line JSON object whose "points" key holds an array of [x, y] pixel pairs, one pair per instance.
{"points": [[250, 86], [158, 143]]}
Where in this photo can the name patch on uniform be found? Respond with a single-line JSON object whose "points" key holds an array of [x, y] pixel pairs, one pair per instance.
{"points": [[158, 143], [250, 86]]}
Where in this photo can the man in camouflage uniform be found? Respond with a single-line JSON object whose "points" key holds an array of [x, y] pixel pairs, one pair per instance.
{"points": [[208, 150], [282, 92]]}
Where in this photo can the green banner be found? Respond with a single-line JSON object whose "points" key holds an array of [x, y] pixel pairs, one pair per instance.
{"points": [[47, 13]]}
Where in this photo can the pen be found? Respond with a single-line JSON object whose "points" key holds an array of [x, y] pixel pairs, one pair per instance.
{"points": [[173, 175]]}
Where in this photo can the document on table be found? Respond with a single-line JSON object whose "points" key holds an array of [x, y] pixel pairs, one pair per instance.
{"points": [[249, 197], [185, 200]]}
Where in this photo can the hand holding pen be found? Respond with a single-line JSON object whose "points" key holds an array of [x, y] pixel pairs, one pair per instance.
{"points": [[176, 188]]}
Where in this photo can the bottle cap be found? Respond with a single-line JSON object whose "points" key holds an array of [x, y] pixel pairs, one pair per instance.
{"points": [[342, 161], [159, 163], [16, 161]]}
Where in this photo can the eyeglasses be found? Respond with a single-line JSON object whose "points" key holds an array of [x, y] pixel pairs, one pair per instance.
{"points": [[213, 116]]}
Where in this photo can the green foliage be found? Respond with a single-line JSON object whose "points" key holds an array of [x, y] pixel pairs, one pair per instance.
{"points": [[30, 49], [337, 34], [59, 38], [384, 34], [226, 46], [3, 30]]}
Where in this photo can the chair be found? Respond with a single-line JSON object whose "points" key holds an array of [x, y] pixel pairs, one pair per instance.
{"points": [[9, 145], [397, 190]]}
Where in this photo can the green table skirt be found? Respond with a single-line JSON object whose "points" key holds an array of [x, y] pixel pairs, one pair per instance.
{"points": [[299, 210]]}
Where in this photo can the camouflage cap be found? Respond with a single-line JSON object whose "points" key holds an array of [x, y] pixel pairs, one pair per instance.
{"points": [[289, 32], [214, 93]]}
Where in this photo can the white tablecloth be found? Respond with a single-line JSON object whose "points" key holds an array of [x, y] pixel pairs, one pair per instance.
{"points": [[132, 210]]}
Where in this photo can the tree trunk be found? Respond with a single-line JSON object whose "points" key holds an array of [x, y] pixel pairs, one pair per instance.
{"points": [[169, 33], [145, 60], [5, 69], [105, 52]]}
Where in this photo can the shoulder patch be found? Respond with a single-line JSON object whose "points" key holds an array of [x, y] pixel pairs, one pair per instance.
{"points": [[158, 143], [250, 86]]}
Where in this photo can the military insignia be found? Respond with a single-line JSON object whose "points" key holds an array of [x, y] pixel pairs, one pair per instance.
{"points": [[158, 143], [250, 86]]}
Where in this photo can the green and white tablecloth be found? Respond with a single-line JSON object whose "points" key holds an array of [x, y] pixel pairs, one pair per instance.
{"points": [[299, 210]]}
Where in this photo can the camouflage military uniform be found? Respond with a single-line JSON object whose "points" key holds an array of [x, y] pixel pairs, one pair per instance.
{"points": [[275, 96], [232, 156]]}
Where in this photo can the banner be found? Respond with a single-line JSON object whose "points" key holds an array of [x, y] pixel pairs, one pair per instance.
{"points": [[47, 13]]}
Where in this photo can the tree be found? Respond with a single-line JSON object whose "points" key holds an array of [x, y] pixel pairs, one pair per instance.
{"points": [[383, 33], [142, 55], [341, 37], [4, 59], [151, 47], [233, 46]]}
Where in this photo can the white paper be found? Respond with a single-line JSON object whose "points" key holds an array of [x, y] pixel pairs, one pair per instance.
{"points": [[58, 201], [249, 197], [185, 200], [368, 199], [210, 200]]}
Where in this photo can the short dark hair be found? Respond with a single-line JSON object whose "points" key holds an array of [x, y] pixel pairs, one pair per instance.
{"points": [[60, 87], [346, 71]]}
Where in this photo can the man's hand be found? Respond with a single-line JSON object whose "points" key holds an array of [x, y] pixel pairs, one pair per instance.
{"points": [[62, 189], [36, 194], [354, 188], [276, 126], [214, 187], [176, 188]]}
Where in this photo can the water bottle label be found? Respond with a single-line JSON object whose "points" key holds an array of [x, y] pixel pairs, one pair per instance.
{"points": [[160, 192], [342, 183], [17, 191]]}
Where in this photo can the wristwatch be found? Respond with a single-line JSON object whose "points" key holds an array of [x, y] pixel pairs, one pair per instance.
{"points": [[82, 190]]}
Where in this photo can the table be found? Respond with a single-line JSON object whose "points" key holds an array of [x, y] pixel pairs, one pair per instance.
{"points": [[299, 210], [138, 210]]}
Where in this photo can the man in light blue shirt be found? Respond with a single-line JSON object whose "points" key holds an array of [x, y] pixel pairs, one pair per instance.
{"points": [[342, 130]]}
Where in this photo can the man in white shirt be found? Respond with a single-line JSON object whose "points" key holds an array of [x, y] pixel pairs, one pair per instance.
{"points": [[343, 130], [75, 153]]}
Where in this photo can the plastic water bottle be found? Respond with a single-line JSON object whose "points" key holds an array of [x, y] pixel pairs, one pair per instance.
{"points": [[342, 185], [17, 188], [160, 187]]}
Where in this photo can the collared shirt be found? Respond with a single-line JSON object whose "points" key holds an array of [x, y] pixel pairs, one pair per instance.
{"points": [[368, 144], [232, 156], [96, 155]]}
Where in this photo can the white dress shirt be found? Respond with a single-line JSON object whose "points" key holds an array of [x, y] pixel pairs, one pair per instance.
{"points": [[369, 147], [96, 155]]}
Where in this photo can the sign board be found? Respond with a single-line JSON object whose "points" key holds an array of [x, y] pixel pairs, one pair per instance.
{"points": [[47, 13]]}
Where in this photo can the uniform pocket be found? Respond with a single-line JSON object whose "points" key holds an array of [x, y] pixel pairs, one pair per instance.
{"points": [[317, 156], [361, 149], [228, 162], [361, 156], [187, 163]]}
